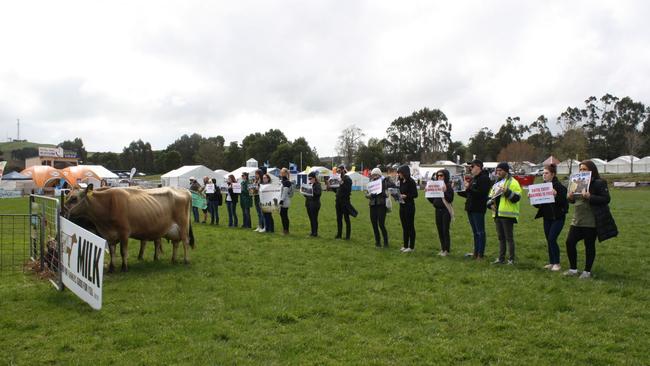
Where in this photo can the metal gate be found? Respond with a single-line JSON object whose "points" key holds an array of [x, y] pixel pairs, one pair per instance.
{"points": [[32, 240]]}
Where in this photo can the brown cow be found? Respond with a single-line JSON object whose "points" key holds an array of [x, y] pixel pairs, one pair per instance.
{"points": [[120, 214]]}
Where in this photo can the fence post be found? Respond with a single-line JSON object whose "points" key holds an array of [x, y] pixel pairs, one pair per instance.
{"points": [[58, 245]]}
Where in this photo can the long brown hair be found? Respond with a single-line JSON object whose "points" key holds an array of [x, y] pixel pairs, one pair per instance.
{"points": [[592, 168]]}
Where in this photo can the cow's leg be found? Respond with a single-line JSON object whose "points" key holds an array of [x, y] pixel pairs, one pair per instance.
{"points": [[112, 249], [157, 249], [143, 243], [124, 251], [186, 247], [174, 250]]}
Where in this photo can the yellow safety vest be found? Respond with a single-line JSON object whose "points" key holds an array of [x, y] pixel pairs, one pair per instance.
{"points": [[506, 207]]}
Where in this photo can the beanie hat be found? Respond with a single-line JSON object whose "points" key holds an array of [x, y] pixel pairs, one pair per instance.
{"points": [[312, 175], [503, 166], [375, 171]]}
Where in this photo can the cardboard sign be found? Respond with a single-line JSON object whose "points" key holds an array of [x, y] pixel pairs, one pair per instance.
{"points": [[539, 194], [307, 189], [434, 189], [374, 186], [236, 187], [82, 262], [579, 182], [270, 197]]}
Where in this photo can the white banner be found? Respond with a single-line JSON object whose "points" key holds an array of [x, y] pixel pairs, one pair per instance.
{"points": [[270, 197], [374, 186], [82, 262], [2, 169], [209, 188], [236, 187], [541, 193], [434, 189]]}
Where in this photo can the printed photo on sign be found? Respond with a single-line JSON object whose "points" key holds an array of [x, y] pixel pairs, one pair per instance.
{"points": [[434, 189], [270, 197], [539, 194], [374, 187], [334, 181], [82, 263], [252, 189], [306, 189], [579, 182], [457, 182]]}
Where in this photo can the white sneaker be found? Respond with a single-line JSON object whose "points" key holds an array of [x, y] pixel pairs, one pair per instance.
{"points": [[548, 266], [407, 250], [402, 249], [262, 230], [441, 253], [585, 275], [556, 267], [444, 254], [571, 272]]}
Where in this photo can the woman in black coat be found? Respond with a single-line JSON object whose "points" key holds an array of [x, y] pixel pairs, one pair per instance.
{"points": [[554, 215], [591, 219], [408, 193], [377, 203], [444, 211], [312, 203]]}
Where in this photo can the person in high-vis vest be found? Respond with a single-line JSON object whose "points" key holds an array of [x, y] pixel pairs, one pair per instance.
{"points": [[504, 203]]}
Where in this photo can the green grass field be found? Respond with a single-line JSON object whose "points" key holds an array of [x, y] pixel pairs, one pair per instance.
{"points": [[250, 298]]}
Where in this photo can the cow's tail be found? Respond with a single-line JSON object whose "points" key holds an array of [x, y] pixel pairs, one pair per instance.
{"points": [[191, 237]]}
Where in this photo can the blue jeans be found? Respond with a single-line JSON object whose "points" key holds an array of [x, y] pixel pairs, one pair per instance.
{"points": [[268, 222], [213, 209], [260, 215], [195, 212], [232, 213], [477, 222], [246, 213], [552, 229]]}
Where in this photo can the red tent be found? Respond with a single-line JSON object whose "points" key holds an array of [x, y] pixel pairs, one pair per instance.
{"points": [[551, 160]]}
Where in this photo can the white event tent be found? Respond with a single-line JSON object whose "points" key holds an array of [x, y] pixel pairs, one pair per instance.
{"points": [[181, 177], [621, 164]]}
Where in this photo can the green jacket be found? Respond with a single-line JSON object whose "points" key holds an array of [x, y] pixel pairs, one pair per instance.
{"points": [[245, 196], [508, 201]]}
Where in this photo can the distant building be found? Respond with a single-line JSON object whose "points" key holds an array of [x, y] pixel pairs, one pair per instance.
{"points": [[55, 157]]}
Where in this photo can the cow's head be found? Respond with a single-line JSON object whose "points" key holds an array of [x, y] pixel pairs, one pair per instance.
{"points": [[77, 202]]}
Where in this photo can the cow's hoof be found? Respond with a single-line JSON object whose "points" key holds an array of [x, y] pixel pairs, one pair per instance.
{"points": [[186, 261], [125, 268], [111, 269], [140, 258]]}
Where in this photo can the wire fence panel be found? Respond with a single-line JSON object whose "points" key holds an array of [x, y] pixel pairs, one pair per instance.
{"points": [[44, 213], [16, 234]]}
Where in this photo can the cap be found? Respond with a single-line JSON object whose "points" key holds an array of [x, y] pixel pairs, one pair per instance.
{"points": [[476, 162], [192, 178]]}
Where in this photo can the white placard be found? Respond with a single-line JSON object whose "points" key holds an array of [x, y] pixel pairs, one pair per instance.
{"points": [[539, 194], [307, 189], [270, 197], [579, 182], [236, 187], [209, 188], [374, 186], [82, 262], [434, 189]]}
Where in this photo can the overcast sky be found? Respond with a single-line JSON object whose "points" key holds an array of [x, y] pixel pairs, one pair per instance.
{"points": [[115, 71]]}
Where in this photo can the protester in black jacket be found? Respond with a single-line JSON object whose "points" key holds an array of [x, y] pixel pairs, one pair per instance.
{"points": [[476, 193], [554, 215], [444, 211], [377, 203], [408, 192], [214, 201], [343, 205], [591, 219], [231, 202], [312, 203]]}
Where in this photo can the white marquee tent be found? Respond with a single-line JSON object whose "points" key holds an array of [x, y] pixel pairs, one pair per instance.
{"points": [[563, 167], [642, 165], [359, 182], [600, 164], [181, 177], [102, 172], [621, 164]]}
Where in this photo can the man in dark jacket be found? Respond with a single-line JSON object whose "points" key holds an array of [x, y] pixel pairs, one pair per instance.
{"points": [[343, 204], [476, 194], [312, 203], [408, 193]]}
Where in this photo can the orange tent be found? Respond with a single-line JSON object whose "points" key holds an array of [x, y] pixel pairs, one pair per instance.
{"points": [[80, 174], [43, 175]]}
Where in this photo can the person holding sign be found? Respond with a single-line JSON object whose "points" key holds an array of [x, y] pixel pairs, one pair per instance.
{"points": [[554, 214], [231, 201], [476, 195], [245, 201], [256, 200], [591, 219], [444, 210], [213, 195], [198, 200], [408, 193], [312, 203], [504, 203], [343, 205], [285, 199], [377, 201], [269, 225]]}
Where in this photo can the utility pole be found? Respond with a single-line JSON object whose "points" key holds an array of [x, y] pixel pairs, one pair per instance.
{"points": [[18, 125]]}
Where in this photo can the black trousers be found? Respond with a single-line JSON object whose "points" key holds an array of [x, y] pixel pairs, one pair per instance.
{"points": [[284, 216], [378, 221], [443, 224], [576, 233], [407, 217], [312, 212], [505, 232], [342, 213]]}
